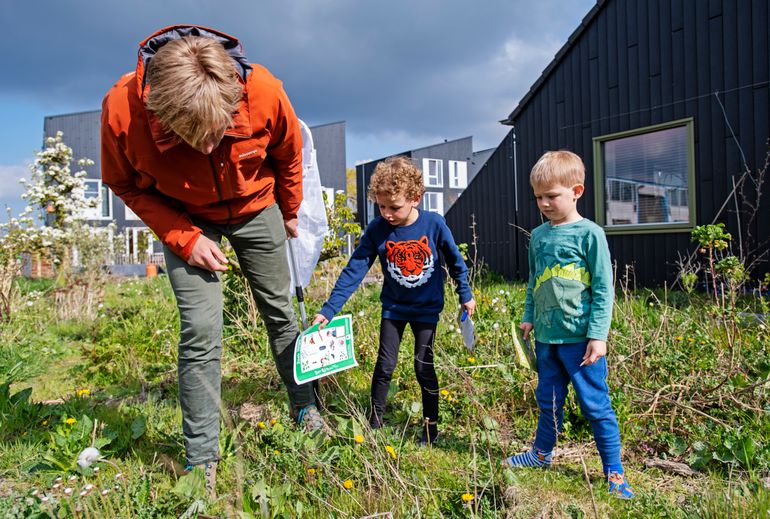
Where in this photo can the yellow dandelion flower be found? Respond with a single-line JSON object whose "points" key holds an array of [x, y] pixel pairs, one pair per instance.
{"points": [[277, 452], [348, 484], [70, 421], [467, 498], [690, 339], [471, 360], [44, 423], [680, 338], [310, 471], [391, 451], [261, 425], [273, 421], [444, 392], [83, 392], [358, 438]]}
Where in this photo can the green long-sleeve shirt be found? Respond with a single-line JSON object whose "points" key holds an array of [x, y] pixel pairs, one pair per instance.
{"points": [[570, 292]]}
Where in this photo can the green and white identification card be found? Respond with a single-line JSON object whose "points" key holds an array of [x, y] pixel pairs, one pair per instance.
{"points": [[318, 353]]}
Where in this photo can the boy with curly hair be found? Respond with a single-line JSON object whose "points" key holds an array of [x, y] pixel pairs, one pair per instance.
{"points": [[410, 244]]}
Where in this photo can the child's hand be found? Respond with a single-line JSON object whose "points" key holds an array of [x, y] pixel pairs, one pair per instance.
{"points": [[320, 320], [595, 350], [470, 307], [526, 328]]}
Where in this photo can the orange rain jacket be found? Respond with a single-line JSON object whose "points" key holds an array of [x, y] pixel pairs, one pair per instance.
{"points": [[167, 183]]}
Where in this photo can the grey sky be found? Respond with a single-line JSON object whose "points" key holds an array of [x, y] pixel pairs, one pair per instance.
{"points": [[402, 74]]}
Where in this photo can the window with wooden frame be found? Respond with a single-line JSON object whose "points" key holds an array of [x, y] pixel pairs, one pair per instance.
{"points": [[644, 179]]}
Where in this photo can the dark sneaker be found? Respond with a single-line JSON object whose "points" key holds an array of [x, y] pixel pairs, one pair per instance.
{"points": [[429, 433], [210, 474], [375, 422], [618, 486], [310, 419]]}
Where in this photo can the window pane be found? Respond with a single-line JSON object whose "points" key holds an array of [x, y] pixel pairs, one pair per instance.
{"points": [[646, 178], [433, 172], [105, 201], [91, 189]]}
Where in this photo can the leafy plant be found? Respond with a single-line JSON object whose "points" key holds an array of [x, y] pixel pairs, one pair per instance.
{"points": [[342, 226]]}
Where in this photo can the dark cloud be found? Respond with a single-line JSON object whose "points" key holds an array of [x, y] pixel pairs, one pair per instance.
{"points": [[428, 68]]}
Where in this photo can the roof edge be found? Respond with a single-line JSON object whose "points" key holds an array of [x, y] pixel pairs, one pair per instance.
{"points": [[409, 152], [587, 19]]}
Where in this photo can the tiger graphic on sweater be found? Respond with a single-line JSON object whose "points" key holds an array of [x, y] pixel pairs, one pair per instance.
{"points": [[410, 262]]}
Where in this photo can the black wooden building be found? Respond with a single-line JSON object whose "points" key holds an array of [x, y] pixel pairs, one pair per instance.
{"points": [[668, 103]]}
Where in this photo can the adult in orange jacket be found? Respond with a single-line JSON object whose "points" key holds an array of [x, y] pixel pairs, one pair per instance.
{"points": [[201, 144]]}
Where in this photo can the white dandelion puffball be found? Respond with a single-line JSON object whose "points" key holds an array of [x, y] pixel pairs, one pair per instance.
{"points": [[88, 456]]}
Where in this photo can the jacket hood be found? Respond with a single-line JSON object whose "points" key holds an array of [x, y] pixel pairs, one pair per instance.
{"points": [[153, 43], [147, 49]]}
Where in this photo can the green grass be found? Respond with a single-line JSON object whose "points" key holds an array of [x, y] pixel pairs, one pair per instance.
{"points": [[685, 385]]}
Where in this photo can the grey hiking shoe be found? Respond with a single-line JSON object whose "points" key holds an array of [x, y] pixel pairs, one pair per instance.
{"points": [[310, 419], [210, 474]]}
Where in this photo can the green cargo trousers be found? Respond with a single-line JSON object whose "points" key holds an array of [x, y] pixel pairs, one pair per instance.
{"points": [[260, 244]]}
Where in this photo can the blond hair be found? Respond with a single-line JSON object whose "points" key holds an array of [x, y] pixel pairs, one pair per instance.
{"points": [[394, 177], [558, 167], [194, 88]]}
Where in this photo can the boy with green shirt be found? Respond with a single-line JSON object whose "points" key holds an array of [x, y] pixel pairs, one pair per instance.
{"points": [[569, 306]]}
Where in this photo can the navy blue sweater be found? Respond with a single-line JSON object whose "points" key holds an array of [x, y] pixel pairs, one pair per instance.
{"points": [[413, 288]]}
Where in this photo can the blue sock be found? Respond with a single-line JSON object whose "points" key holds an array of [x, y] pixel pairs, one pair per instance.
{"points": [[531, 458]]}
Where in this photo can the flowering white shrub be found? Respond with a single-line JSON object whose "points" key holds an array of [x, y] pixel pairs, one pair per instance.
{"points": [[57, 195]]}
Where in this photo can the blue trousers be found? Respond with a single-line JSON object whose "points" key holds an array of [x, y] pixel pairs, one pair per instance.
{"points": [[557, 366]]}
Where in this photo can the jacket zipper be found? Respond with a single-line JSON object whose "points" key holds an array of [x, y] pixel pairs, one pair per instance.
{"points": [[219, 188]]}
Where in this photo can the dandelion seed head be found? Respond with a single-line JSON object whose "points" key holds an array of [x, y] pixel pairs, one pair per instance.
{"points": [[88, 456]]}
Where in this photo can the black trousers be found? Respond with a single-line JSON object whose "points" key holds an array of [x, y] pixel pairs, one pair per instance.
{"points": [[391, 332]]}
